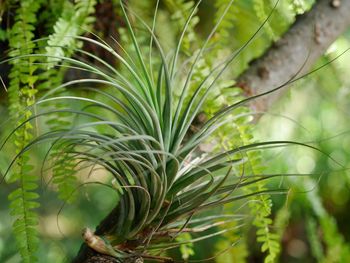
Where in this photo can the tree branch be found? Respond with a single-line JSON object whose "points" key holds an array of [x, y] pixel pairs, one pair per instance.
{"points": [[307, 39]]}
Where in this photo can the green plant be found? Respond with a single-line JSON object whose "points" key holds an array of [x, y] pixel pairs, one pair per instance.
{"points": [[145, 150], [138, 131], [23, 198], [26, 79]]}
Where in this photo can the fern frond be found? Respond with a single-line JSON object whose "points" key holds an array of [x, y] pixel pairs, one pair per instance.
{"points": [[301, 6], [64, 175], [225, 29], [261, 210], [62, 42], [180, 10], [23, 202], [21, 95], [240, 133], [74, 20], [259, 8], [62, 168], [261, 207]]}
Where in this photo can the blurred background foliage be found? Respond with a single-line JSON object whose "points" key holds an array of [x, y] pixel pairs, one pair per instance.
{"points": [[310, 223]]}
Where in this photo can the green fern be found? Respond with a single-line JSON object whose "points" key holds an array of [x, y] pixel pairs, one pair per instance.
{"points": [[23, 201], [261, 205], [241, 134], [21, 95], [236, 28], [64, 173], [180, 10], [227, 24], [62, 42], [74, 20], [300, 6], [62, 168], [259, 7]]}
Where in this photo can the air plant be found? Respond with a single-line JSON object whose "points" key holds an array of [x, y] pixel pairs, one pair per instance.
{"points": [[140, 135]]}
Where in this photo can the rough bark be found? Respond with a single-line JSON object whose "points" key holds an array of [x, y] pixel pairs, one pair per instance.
{"points": [[309, 37], [306, 40]]}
